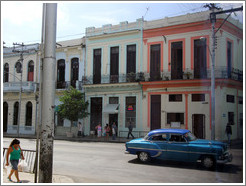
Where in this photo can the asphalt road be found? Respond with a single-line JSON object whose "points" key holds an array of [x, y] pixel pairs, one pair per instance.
{"points": [[98, 162]]}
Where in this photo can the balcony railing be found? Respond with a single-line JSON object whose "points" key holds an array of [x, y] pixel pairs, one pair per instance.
{"points": [[220, 73], [28, 86]]}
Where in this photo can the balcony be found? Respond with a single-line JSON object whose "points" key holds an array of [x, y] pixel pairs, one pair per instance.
{"points": [[220, 73], [28, 86]]}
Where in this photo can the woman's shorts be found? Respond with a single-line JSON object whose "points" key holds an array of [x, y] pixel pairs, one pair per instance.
{"points": [[14, 164]]}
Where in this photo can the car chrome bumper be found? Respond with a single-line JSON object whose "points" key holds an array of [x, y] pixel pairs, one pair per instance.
{"points": [[227, 158]]}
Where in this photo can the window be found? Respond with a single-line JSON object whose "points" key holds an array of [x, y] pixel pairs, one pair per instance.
{"points": [[240, 100], [15, 116], [6, 73], [74, 71], [114, 64], [30, 71], [175, 117], [229, 58], [18, 67], [198, 97], [230, 98], [113, 100], [155, 62], [29, 114], [97, 66], [131, 63], [200, 59], [130, 111], [61, 74], [231, 118], [177, 60], [175, 97]]}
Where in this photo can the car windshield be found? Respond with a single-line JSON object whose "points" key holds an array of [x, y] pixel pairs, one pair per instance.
{"points": [[146, 137], [190, 136]]}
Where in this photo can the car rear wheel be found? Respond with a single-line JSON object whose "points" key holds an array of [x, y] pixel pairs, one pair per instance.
{"points": [[208, 162], [143, 157]]}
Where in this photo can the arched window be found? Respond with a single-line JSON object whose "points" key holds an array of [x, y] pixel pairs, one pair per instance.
{"points": [[18, 67], [29, 114], [5, 116], [6, 73], [74, 71], [16, 110], [61, 74], [30, 71]]}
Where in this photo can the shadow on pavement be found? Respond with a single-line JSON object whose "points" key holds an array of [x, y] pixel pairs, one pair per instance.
{"points": [[223, 168]]}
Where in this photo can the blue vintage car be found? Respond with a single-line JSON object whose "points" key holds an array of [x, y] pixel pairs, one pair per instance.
{"points": [[178, 145]]}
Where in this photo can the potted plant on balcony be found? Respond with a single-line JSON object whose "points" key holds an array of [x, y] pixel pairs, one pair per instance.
{"points": [[131, 77], [188, 74], [73, 107]]}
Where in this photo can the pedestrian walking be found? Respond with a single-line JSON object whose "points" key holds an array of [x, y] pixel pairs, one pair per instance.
{"points": [[15, 153], [228, 132], [114, 130], [80, 129], [130, 127]]}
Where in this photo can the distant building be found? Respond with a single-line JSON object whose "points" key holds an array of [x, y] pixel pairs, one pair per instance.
{"points": [[11, 89], [161, 68], [154, 74]]}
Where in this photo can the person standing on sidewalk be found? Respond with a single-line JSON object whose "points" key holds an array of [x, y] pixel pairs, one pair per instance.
{"points": [[114, 130], [15, 153], [228, 132], [99, 130], [79, 129], [130, 127]]}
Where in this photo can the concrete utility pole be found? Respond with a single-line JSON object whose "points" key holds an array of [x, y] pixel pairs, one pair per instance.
{"points": [[48, 95], [213, 14]]}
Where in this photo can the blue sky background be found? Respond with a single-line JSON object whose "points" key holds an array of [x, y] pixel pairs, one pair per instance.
{"points": [[22, 20]]}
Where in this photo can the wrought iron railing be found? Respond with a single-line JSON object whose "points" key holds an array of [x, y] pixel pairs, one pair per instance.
{"points": [[220, 73]]}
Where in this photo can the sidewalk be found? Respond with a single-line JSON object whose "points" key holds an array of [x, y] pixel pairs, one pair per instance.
{"points": [[77, 139], [236, 142], [29, 178]]}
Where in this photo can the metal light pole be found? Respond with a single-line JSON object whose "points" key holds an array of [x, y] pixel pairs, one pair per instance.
{"points": [[20, 94], [213, 19]]}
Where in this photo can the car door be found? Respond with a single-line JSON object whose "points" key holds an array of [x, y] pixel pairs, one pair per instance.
{"points": [[160, 140], [177, 148]]}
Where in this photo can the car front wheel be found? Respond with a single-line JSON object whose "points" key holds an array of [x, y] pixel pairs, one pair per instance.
{"points": [[144, 157], [208, 162]]}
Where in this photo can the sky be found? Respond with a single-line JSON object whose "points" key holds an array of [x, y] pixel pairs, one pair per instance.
{"points": [[21, 21]]}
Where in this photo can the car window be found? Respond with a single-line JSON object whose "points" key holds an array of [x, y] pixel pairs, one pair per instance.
{"points": [[177, 138], [159, 137]]}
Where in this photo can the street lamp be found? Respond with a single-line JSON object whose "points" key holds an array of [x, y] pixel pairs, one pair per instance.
{"points": [[212, 55], [20, 94]]}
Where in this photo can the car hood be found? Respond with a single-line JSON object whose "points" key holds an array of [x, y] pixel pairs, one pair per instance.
{"points": [[136, 140]]}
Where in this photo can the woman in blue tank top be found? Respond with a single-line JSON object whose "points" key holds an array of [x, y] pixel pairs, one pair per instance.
{"points": [[15, 153]]}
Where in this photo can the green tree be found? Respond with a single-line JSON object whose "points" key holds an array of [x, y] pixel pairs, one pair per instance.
{"points": [[73, 105]]}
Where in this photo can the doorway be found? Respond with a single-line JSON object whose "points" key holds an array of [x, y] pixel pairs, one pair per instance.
{"points": [[155, 112], [96, 112], [198, 125], [5, 116]]}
